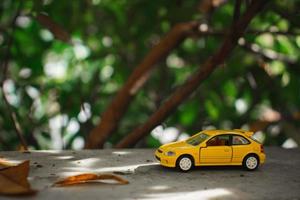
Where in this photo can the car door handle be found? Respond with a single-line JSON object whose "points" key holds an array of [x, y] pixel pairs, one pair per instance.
{"points": [[226, 150]]}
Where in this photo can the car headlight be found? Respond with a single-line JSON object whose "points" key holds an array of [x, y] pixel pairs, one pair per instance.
{"points": [[170, 153]]}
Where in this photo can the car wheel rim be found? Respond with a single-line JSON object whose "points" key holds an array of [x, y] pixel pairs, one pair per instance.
{"points": [[185, 164], [251, 162]]}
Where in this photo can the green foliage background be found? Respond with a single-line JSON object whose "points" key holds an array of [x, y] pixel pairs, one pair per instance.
{"points": [[111, 37]]}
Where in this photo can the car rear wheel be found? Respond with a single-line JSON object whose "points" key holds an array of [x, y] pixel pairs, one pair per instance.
{"points": [[184, 163], [251, 162]]}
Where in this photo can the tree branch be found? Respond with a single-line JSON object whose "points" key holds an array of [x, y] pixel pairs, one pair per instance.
{"points": [[221, 33], [115, 111], [57, 30], [195, 80], [237, 12], [4, 66], [291, 131], [286, 15], [268, 54]]}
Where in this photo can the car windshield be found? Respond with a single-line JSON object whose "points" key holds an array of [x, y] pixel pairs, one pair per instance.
{"points": [[197, 139]]}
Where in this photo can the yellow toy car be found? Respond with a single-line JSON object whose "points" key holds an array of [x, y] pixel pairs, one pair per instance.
{"points": [[212, 148]]}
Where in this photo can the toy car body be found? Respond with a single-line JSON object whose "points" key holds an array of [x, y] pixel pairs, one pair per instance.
{"points": [[213, 148]]}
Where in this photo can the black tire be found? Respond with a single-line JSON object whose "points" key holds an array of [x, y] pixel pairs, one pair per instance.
{"points": [[185, 163], [251, 162]]}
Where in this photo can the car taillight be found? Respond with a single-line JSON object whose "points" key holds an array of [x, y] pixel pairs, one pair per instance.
{"points": [[262, 149]]}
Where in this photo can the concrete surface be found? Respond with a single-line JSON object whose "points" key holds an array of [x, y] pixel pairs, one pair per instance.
{"points": [[279, 178]]}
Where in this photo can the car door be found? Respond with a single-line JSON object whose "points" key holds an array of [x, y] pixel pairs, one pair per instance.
{"points": [[240, 148], [217, 150]]}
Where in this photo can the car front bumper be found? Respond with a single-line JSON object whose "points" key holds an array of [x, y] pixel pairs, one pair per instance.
{"points": [[167, 161]]}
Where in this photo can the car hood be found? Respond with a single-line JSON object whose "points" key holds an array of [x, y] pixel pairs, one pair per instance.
{"points": [[175, 145]]}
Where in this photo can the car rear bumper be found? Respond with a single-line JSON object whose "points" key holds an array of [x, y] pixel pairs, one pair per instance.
{"points": [[262, 158], [167, 161]]}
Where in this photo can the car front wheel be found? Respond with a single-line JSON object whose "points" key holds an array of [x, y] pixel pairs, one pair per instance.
{"points": [[251, 162], [184, 163]]}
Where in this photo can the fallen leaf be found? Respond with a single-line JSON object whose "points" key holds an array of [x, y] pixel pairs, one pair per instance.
{"points": [[5, 164], [88, 178], [13, 179]]}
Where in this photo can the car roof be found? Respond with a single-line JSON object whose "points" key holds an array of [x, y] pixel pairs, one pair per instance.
{"points": [[234, 131]]}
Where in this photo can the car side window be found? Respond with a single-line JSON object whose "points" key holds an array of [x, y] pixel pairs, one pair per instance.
{"points": [[220, 140], [239, 140]]}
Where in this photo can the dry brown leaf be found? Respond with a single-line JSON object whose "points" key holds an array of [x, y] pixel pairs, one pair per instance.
{"points": [[58, 32], [13, 178], [88, 178], [5, 164]]}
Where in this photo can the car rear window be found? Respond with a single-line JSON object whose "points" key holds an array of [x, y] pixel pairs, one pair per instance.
{"points": [[255, 139], [239, 140]]}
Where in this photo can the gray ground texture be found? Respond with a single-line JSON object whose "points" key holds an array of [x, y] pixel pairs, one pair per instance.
{"points": [[279, 178]]}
